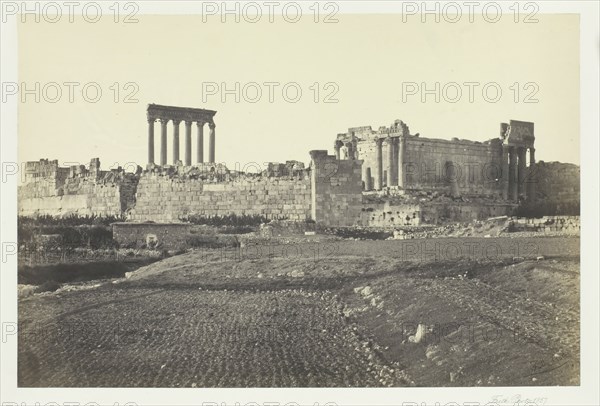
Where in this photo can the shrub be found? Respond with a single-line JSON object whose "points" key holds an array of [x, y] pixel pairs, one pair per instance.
{"points": [[228, 220], [49, 286], [541, 208], [72, 236], [211, 241]]}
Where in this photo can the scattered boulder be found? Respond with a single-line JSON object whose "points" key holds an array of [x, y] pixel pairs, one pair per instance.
{"points": [[297, 274], [419, 335], [367, 291], [25, 290]]}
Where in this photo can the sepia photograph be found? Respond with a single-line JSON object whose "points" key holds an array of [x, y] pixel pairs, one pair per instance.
{"points": [[270, 195]]}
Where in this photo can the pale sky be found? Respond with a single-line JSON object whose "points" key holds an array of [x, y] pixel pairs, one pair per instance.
{"points": [[369, 57]]}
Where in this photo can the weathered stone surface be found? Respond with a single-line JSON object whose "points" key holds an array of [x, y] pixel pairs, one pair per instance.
{"points": [[422, 181], [167, 197], [58, 191]]}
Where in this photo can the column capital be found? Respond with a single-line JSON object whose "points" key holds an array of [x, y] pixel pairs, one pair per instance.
{"points": [[200, 123], [151, 119], [176, 121], [164, 120], [379, 141], [188, 123], [211, 125]]}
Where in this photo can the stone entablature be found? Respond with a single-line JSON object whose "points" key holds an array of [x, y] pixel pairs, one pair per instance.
{"points": [[160, 112]]}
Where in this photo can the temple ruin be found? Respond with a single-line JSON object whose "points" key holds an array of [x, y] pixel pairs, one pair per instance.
{"points": [[376, 178], [176, 115], [397, 160]]}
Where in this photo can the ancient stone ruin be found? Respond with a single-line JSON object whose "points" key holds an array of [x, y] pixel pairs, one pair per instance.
{"points": [[176, 115], [394, 158], [384, 177]]}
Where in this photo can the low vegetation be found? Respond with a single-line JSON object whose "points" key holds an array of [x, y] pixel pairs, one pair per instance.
{"points": [[228, 220]]}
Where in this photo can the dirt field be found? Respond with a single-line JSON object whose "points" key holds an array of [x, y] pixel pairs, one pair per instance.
{"points": [[470, 311]]}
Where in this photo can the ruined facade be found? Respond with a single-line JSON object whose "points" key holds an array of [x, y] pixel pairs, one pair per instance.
{"points": [[398, 160], [382, 178], [76, 190]]}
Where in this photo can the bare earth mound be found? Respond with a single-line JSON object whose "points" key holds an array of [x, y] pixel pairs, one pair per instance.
{"points": [[202, 320]]}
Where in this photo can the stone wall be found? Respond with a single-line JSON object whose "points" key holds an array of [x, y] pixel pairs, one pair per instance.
{"points": [[336, 190], [54, 206], [52, 190], [547, 224], [43, 178], [431, 164], [455, 212], [390, 215], [170, 197], [394, 213], [557, 181], [138, 235], [456, 166]]}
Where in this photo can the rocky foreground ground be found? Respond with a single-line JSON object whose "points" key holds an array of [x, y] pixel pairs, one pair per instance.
{"points": [[468, 312]]}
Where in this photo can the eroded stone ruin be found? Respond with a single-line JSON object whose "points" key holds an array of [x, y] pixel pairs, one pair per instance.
{"points": [[384, 177]]}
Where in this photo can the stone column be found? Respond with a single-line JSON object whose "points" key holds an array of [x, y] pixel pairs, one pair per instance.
{"points": [[176, 141], [400, 164], [211, 143], [336, 146], [390, 161], [532, 179], [379, 168], [350, 148], [200, 142], [163, 140], [188, 143], [367, 178], [522, 172], [505, 176], [453, 178], [151, 140], [512, 174]]}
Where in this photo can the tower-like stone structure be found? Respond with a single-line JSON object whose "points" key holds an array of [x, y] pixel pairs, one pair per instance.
{"points": [[518, 178]]}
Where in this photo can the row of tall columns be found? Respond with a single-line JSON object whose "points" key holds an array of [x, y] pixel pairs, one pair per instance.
{"points": [[394, 163], [373, 177], [188, 141], [519, 182]]}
